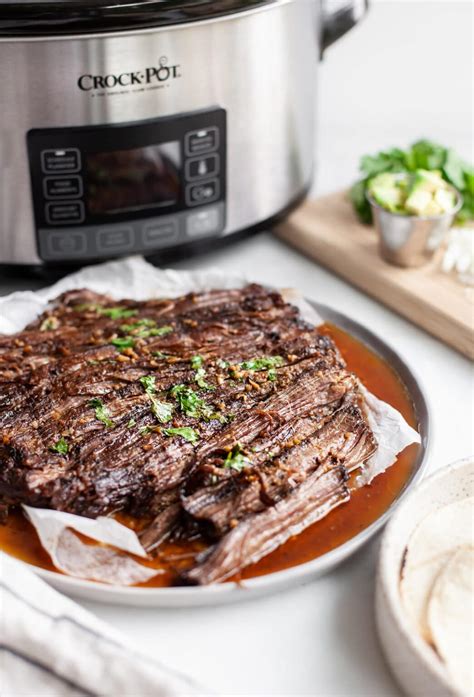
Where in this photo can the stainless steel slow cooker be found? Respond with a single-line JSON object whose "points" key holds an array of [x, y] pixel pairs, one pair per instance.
{"points": [[151, 125]]}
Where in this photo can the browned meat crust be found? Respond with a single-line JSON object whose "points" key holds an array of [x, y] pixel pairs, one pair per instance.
{"points": [[95, 393], [260, 534]]}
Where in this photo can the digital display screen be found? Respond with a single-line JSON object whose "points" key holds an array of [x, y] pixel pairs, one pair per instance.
{"points": [[127, 180]]}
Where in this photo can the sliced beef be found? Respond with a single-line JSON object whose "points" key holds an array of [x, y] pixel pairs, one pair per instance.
{"points": [[342, 437], [260, 534], [204, 414]]}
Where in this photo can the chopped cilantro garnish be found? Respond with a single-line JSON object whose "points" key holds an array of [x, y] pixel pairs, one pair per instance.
{"points": [[158, 331], [132, 422], [144, 328], [190, 403], [101, 411], [236, 460], [148, 382], [262, 363], [117, 312], [160, 354], [200, 381], [161, 410], [112, 312], [197, 365], [185, 432], [161, 331], [48, 324], [123, 342], [196, 362], [222, 364], [144, 430], [272, 375], [220, 417], [139, 323], [60, 447]]}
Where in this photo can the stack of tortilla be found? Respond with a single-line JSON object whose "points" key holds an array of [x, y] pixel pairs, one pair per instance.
{"points": [[437, 588]]}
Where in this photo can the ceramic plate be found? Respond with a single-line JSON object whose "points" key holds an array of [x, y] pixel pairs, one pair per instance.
{"points": [[415, 664], [230, 592]]}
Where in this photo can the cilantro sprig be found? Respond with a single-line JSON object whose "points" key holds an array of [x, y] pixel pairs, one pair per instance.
{"points": [[189, 402], [145, 322], [197, 364], [144, 328], [101, 412], [49, 324], [61, 446], [200, 380], [424, 154], [189, 434], [111, 312], [236, 460], [162, 411], [262, 363], [123, 342], [192, 405]]}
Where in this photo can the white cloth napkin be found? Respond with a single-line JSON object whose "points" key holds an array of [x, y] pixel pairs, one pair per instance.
{"points": [[50, 646]]}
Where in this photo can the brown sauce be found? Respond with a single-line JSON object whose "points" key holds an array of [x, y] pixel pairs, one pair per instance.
{"points": [[18, 537]]}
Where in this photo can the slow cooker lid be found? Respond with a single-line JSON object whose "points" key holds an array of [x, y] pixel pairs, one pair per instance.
{"points": [[46, 18]]}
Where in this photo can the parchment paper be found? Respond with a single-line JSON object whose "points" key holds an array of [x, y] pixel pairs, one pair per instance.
{"points": [[136, 279], [97, 563]]}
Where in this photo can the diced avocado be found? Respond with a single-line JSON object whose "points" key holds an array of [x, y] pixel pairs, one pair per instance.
{"points": [[432, 208], [445, 199], [426, 180], [384, 180], [418, 201], [391, 199], [386, 191], [423, 193]]}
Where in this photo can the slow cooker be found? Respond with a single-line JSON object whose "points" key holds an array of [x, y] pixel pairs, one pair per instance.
{"points": [[153, 125]]}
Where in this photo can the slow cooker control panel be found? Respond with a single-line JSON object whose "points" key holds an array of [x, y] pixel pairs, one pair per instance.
{"points": [[103, 191]]}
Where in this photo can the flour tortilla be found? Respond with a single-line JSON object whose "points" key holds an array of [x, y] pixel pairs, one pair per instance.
{"points": [[429, 549], [451, 618]]}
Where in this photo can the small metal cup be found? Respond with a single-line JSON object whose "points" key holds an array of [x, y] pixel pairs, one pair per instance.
{"points": [[411, 240]]}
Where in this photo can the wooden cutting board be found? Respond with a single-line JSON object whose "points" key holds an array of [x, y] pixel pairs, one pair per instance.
{"points": [[327, 230]]}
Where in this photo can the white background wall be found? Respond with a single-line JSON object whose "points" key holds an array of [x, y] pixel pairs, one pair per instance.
{"points": [[404, 73]]}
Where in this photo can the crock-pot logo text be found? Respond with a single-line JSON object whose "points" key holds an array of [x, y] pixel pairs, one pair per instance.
{"points": [[155, 75]]}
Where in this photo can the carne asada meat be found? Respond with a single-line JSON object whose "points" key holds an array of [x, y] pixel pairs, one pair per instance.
{"points": [[221, 415]]}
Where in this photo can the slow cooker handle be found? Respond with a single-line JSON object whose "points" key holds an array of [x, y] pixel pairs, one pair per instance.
{"points": [[338, 17]]}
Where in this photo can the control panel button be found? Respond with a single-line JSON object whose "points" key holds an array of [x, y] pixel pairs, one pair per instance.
{"points": [[202, 167], [64, 213], [57, 161], [61, 245], [62, 187], [157, 234], [198, 194], [118, 239], [204, 140], [203, 222]]}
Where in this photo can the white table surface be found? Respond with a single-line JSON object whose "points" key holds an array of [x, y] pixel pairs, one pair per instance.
{"points": [[319, 639]]}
